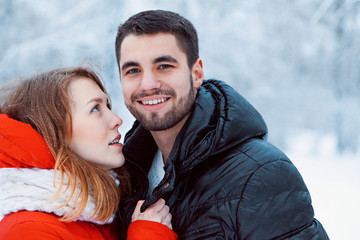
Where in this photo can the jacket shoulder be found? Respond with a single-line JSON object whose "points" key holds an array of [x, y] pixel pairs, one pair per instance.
{"points": [[275, 200], [262, 152]]}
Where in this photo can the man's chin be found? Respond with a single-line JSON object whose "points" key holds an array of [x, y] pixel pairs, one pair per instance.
{"points": [[155, 125]]}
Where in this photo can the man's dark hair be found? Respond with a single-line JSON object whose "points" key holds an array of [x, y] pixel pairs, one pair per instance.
{"points": [[160, 21]]}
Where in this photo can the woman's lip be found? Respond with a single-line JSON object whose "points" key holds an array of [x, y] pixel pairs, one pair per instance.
{"points": [[117, 144], [118, 137]]}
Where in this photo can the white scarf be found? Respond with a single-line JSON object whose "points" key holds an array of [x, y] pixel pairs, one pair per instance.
{"points": [[31, 188]]}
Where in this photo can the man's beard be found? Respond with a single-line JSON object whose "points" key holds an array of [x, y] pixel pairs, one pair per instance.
{"points": [[177, 113]]}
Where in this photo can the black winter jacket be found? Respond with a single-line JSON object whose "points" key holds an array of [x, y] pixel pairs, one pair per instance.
{"points": [[223, 180]]}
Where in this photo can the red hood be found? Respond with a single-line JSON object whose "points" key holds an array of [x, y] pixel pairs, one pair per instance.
{"points": [[22, 147]]}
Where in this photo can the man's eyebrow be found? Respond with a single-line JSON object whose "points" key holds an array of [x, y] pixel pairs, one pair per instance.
{"points": [[166, 58], [129, 64]]}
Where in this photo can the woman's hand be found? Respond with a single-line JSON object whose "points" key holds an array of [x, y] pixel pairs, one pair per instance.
{"points": [[157, 212]]}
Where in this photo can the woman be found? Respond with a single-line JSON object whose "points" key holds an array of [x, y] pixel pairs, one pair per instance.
{"points": [[59, 142]]}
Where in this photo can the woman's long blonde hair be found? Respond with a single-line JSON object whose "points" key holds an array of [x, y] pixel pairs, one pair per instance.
{"points": [[43, 102]]}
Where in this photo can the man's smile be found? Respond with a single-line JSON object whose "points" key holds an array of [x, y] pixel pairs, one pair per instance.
{"points": [[154, 101]]}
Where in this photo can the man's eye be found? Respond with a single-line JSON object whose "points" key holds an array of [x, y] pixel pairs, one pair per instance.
{"points": [[132, 71], [95, 109], [164, 66]]}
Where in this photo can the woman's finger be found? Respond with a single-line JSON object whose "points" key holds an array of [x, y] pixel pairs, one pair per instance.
{"points": [[167, 221], [156, 207], [136, 212], [164, 211]]}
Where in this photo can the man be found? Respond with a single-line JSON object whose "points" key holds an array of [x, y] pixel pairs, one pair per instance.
{"points": [[200, 145]]}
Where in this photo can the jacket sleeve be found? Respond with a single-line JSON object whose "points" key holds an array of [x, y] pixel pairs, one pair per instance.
{"points": [[148, 230], [277, 204], [30, 231]]}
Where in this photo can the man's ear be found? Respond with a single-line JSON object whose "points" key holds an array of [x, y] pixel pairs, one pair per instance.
{"points": [[197, 73]]}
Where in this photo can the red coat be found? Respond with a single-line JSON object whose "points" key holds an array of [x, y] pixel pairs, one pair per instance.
{"points": [[25, 225], [22, 147]]}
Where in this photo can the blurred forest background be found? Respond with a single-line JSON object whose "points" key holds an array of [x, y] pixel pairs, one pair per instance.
{"points": [[297, 62]]}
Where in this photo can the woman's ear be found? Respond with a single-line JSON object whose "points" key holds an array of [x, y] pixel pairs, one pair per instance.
{"points": [[197, 73]]}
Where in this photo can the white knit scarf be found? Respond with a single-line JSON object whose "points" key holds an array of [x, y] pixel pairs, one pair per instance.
{"points": [[31, 188]]}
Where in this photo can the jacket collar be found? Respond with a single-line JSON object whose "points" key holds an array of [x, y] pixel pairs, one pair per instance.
{"points": [[222, 119]]}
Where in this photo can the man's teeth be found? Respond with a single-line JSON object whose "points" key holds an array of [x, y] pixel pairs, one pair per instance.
{"points": [[115, 141], [155, 101]]}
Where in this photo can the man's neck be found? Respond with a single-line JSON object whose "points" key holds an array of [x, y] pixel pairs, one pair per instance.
{"points": [[165, 139]]}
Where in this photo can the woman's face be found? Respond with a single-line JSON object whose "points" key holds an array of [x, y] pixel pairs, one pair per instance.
{"points": [[95, 137]]}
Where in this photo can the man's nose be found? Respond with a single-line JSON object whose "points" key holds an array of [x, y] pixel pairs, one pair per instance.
{"points": [[149, 82]]}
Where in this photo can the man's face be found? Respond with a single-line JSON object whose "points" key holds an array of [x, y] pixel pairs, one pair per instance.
{"points": [[158, 87]]}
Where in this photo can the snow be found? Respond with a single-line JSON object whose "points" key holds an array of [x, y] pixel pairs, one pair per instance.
{"points": [[333, 181]]}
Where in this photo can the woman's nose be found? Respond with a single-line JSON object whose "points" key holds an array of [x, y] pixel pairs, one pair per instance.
{"points": [[116, 121]]}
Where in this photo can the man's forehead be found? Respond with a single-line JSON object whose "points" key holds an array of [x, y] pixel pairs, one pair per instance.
{"points": [[149, 41], [151, 48]]}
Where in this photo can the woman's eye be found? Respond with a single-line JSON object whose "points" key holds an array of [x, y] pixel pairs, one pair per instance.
{"points": [[95, 109]]}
